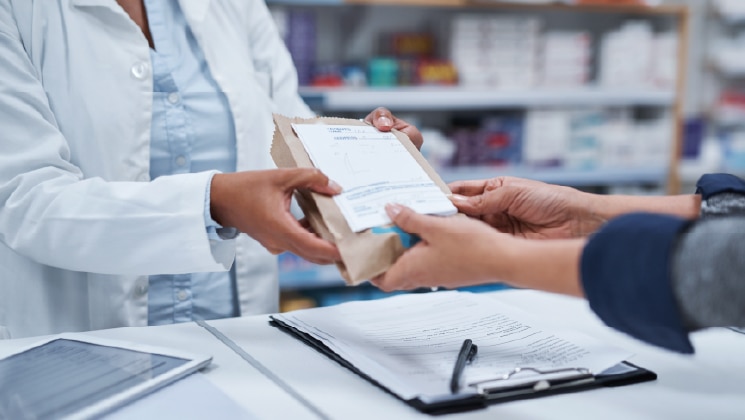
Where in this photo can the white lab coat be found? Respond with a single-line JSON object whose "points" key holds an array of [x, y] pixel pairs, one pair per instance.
{"points": [[81, 225]]}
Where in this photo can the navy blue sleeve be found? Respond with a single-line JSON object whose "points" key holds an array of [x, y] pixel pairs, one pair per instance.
{"points": [[626, 276], [713, 184]]}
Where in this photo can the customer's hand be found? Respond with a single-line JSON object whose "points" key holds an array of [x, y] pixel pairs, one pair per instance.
{"points": [[258, 204], [526, 208], [453, 252], [383, 120], [458, 251]]}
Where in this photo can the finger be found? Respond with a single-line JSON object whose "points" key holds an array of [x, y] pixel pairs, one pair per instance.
{"points": [[382, 119], [381, 283], [493, 202], [409, 220], [317, 260], [303, 243], [313, 248], [468, 204], [460, 201], [312, 179], [388, 281], [411, 131], [402, 275], [479, 205], [468, 188], [274, 251]]}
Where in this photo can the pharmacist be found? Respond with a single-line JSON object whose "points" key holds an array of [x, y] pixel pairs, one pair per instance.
{"points": [[135, 147]]}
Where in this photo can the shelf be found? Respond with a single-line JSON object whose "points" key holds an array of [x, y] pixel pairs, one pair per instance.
{"points": [[729, 12], [570, 177], [728, 65], [728, 120], [430, 98]]}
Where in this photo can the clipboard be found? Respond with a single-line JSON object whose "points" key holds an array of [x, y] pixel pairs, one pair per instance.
{"points": [[575, 380]]}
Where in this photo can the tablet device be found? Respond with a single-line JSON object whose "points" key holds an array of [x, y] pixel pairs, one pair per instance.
{"points": [[75, 376]]}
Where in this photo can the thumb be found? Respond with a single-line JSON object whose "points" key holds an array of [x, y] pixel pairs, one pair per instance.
{"points": [[472, 206], [409, 220], [313, 179], [490, 202]]}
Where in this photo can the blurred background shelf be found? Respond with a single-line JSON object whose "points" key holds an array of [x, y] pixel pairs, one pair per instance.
{"points": [[589, 96], [470, 98], [571, 5]]}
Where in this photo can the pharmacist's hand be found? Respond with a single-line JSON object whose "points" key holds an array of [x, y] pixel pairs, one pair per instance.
{"points": [[453, 252], [383, 120], [526, 208], [258, 204]]}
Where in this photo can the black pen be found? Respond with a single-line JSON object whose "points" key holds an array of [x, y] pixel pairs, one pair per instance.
{"points": [[466, 354]]}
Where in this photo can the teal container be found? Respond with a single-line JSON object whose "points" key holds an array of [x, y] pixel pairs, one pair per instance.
{"points": [[383, 72]]}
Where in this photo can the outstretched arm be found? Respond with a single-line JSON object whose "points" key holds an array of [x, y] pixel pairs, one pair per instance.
{"points": [[537, 210]]}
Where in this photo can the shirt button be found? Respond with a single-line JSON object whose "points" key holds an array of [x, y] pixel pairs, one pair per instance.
{"points": [[173, 97], [180, 161], [140, 70], [181, 295]]}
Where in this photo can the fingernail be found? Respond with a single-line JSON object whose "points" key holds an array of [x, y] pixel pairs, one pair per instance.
{"points": [[458, 197], [385, 121], [393, 210], [334, 186]]}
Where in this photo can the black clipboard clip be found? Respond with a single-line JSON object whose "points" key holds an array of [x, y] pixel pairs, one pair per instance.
{"points": [[569, 377]]}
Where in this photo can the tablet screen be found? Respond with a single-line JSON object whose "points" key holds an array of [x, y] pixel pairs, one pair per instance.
{"points": [[64, 376]]}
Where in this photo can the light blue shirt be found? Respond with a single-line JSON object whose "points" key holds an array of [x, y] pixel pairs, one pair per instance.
{"points": [[192, 131]]}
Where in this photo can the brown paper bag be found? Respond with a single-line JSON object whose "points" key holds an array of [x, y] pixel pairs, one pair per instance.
{"points": [[364, 254]]}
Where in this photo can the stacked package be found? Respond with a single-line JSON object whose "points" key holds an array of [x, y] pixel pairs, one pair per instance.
{"points": [[626, 55], [492, 141], [594, 138], [635, 56], [565, 59], [495, 51]]}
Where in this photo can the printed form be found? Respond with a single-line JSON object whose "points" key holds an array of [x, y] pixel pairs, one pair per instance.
{"points": [[409, 343], [373, 169]]}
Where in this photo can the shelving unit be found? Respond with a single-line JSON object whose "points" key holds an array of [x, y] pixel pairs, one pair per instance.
{"points": [[726, 74], [351, 15], [353, 24]]}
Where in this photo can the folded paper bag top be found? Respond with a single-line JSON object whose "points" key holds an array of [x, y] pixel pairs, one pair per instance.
{"points": [[364, 254]]}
